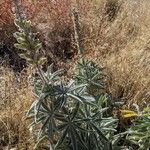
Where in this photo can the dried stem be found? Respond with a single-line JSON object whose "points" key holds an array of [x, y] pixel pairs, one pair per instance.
{"points": [[75, 18]]}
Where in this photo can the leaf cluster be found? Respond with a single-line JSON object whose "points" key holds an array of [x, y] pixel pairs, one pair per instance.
{"points": [[89, 73]]}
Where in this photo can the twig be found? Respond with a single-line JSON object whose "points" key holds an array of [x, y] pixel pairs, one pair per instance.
{"points": [[75, 18]]}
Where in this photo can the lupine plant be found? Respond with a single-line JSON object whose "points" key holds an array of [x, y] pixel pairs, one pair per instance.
{"points": [[69, 117], [89, 73]]}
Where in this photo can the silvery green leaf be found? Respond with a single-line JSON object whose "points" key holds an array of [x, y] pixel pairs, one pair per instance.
{"points": [[75, 97], [62, 138]]}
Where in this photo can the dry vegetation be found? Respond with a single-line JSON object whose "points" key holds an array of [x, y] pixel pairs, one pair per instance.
{"points": [[115, 34], [15, 97]]}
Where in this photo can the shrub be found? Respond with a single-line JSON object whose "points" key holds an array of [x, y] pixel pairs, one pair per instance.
{"points": [[67, 114]]}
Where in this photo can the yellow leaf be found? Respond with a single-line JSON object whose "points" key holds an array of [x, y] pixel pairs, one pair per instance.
{"points": [[130, 115], [127, 111]]}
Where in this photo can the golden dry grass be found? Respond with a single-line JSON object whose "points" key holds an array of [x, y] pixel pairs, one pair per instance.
{"points": [[122, 46], [15, 99]]}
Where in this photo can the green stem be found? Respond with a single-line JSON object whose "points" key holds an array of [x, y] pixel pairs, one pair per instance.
{"points": [[41, 75]]}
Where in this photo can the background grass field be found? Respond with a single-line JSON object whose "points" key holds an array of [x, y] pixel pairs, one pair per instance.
{"points": [[115, 34]]}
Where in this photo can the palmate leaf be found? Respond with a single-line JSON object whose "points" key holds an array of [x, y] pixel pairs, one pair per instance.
{"points": [[71, 126], [101, 135], [48, 125], [89, 73], [68, 131], [71, 91], [48, 88], [51, 75]]}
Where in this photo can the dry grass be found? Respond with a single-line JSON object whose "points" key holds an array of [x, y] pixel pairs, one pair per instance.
{"points": [[15, 99], [121, 45]]}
